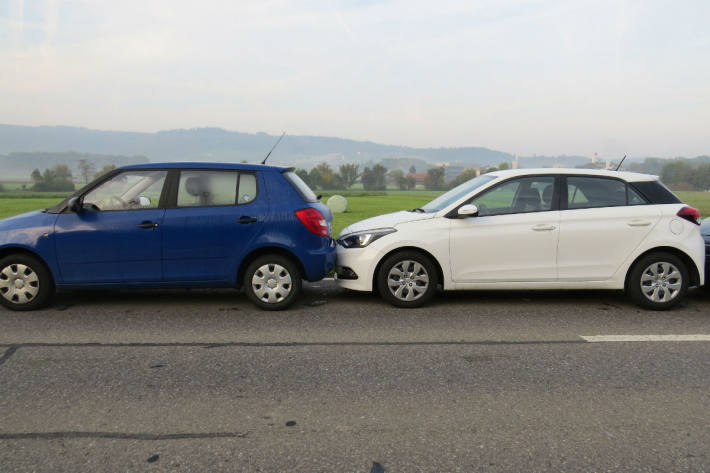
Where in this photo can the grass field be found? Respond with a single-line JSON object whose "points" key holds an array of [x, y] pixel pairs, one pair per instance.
{"points": [[361, 204]]}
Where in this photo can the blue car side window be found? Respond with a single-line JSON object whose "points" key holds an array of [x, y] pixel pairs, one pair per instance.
{"points": [[130, 190], [207, 188]]}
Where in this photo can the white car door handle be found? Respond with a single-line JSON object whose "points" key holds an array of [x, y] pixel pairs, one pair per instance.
{"points": [[639, 223], [543, 227]]}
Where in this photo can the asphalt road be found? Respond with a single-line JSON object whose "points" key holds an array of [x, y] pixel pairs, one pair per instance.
{"points": [[484, 381]]}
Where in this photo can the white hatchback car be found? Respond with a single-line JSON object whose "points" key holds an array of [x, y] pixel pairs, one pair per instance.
{"points": [[532, 229]]}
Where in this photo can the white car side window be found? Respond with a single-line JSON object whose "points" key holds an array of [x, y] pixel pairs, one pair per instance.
{"points": [[529, 194]]}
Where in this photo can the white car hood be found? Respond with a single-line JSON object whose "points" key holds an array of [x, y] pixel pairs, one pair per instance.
{"points": [[386, 221]]}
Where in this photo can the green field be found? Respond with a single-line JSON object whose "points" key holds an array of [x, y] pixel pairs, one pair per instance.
{"points": [[364, 206], [361, 204], [699, 200]]}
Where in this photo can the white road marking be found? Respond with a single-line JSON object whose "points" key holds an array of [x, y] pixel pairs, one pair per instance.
{"points": [[646, 338]]}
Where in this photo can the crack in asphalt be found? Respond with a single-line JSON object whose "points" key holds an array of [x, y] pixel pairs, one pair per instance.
{"points": [[8, 353]]}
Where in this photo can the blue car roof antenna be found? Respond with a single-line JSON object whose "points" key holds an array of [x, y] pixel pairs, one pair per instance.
{"points": [[273, 147]]}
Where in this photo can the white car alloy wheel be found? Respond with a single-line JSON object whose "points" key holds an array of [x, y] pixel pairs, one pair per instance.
{"points": [[271, 283], [661, 282], [19, 284], [658, 281], [408, 280]]}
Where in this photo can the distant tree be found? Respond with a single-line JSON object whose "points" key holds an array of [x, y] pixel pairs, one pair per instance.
{"points": [[435, 178], [329, 179], [36, 176], [412, 169], [349, 174], [86, 169], [374, 179], [106, 169], [315, 180], [466, 175], [701, 177], [2, 189], [303, 174], [678, 175], [397, 176], [56, 179], [410, 181], [368, 179], [503, 165], [380, 172]]}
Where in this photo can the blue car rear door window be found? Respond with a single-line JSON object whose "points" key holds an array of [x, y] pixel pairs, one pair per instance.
{"points": [[207, 188]]}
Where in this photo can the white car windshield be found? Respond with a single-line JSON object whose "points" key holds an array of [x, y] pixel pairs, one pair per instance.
{"points": [[456, 193]]}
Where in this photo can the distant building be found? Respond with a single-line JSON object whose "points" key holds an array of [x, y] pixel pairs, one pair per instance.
{"points": [[419, 179]]}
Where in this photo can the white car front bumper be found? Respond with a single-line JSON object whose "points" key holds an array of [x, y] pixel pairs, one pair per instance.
{"points": [[355, 267]]}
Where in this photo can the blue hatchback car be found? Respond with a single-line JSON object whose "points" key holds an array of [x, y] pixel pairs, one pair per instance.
{"points": [[176, 225]]}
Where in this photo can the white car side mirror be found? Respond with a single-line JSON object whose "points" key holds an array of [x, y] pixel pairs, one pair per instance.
{"points": [[468, 210]]}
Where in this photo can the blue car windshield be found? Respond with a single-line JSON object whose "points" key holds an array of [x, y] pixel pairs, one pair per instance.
{"points": [[456, 193]]}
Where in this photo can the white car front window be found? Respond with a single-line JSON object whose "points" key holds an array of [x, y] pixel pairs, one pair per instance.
{"points": [[456, 193]]}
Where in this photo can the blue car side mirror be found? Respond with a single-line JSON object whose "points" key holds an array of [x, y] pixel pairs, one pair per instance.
{"points": [[74, 205]]}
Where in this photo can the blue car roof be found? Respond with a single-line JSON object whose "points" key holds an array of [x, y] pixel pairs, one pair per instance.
{"points": [[198, 165]]}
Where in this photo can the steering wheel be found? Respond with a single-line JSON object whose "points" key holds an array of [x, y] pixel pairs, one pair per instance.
{"points": [[114, 199]]}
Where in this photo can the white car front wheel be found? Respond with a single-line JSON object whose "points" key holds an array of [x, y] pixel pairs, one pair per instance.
{"points": [[407, 279]]}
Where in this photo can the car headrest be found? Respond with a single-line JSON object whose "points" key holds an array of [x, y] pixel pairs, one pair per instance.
{"points": [[193, 186]]}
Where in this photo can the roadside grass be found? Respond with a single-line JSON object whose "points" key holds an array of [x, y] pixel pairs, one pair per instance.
{"points": [[10, 207]]}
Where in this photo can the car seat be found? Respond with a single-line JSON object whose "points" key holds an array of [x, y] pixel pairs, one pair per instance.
{"points": [[198, 188]]}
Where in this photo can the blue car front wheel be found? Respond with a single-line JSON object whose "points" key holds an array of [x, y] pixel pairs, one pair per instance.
{"points": [[25, 282]]}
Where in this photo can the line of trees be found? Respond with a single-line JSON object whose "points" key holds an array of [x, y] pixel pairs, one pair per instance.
{"points": [[56, 179], [684, 176], [325, 177], [59, 178]]}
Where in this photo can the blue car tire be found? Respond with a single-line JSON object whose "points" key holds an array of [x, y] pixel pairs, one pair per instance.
{"points": [[272, 282], [25, 282]]}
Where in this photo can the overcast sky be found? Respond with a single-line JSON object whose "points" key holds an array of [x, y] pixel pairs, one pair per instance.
{"points": [[545, 77]]}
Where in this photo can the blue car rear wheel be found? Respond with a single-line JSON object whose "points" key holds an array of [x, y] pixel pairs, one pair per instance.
{"points": [[272, 282]]}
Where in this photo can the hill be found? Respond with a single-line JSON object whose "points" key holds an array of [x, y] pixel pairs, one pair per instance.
{"points": [[215, 144]]}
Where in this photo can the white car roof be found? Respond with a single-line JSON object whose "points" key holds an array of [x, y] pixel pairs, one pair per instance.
{"points": [[626, 176]]}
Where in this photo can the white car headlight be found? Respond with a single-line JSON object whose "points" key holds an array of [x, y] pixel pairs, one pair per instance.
{"points": [[362, 239]]}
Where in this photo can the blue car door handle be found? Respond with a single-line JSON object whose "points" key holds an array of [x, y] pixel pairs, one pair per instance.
{"points": [[246, 220], [148, 225]]}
